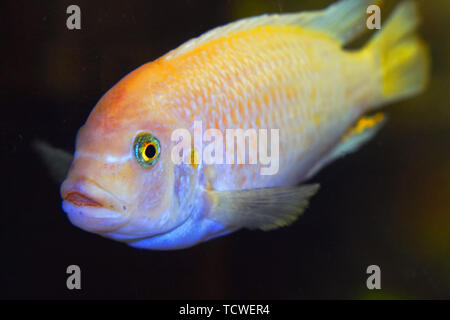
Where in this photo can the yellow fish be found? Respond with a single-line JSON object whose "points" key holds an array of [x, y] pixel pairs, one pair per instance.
{"points": [[287, 72]]}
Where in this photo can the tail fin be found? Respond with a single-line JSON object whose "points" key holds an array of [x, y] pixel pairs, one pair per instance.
{"points": [[403, 56]]}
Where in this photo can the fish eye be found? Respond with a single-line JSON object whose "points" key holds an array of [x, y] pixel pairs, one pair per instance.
{"points": [[146, 149]]}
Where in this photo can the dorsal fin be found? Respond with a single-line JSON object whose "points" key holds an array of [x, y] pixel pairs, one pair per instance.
{"points": [[343, 21]]}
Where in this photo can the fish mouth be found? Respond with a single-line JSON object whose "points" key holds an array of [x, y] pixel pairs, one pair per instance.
{"points": [[83, 192], [80, 200], [91, 208]]}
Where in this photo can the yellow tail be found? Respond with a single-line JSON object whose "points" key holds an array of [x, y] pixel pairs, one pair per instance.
{"points": [[402, 56]]}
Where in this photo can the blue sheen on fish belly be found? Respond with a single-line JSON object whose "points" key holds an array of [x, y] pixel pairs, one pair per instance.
{"points": [[192, 232]]}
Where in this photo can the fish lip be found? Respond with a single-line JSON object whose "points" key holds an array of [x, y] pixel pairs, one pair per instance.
{"points": [[94, 219], [81, 200], [91, 208], [83, 192]]}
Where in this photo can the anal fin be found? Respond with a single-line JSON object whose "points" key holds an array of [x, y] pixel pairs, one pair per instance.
{"points": [[364, 130]]}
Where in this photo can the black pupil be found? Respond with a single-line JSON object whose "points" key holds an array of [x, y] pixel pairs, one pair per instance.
{"points": [[150, 151]]}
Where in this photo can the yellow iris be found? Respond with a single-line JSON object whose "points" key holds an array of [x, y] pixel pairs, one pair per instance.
{"points": [[146, 149]]}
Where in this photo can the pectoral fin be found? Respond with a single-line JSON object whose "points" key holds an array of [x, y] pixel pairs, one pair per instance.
{"points": [[364, 130], [266, 208], [57, 160]]}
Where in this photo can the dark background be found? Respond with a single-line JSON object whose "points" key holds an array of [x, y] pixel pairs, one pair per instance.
{"points": [[388, 204]]}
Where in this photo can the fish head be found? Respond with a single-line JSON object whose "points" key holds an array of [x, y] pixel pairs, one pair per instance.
{"points": [[122, 181]]}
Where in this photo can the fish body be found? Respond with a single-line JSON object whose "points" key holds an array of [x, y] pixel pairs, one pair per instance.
{"points": [[286, 72]]}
